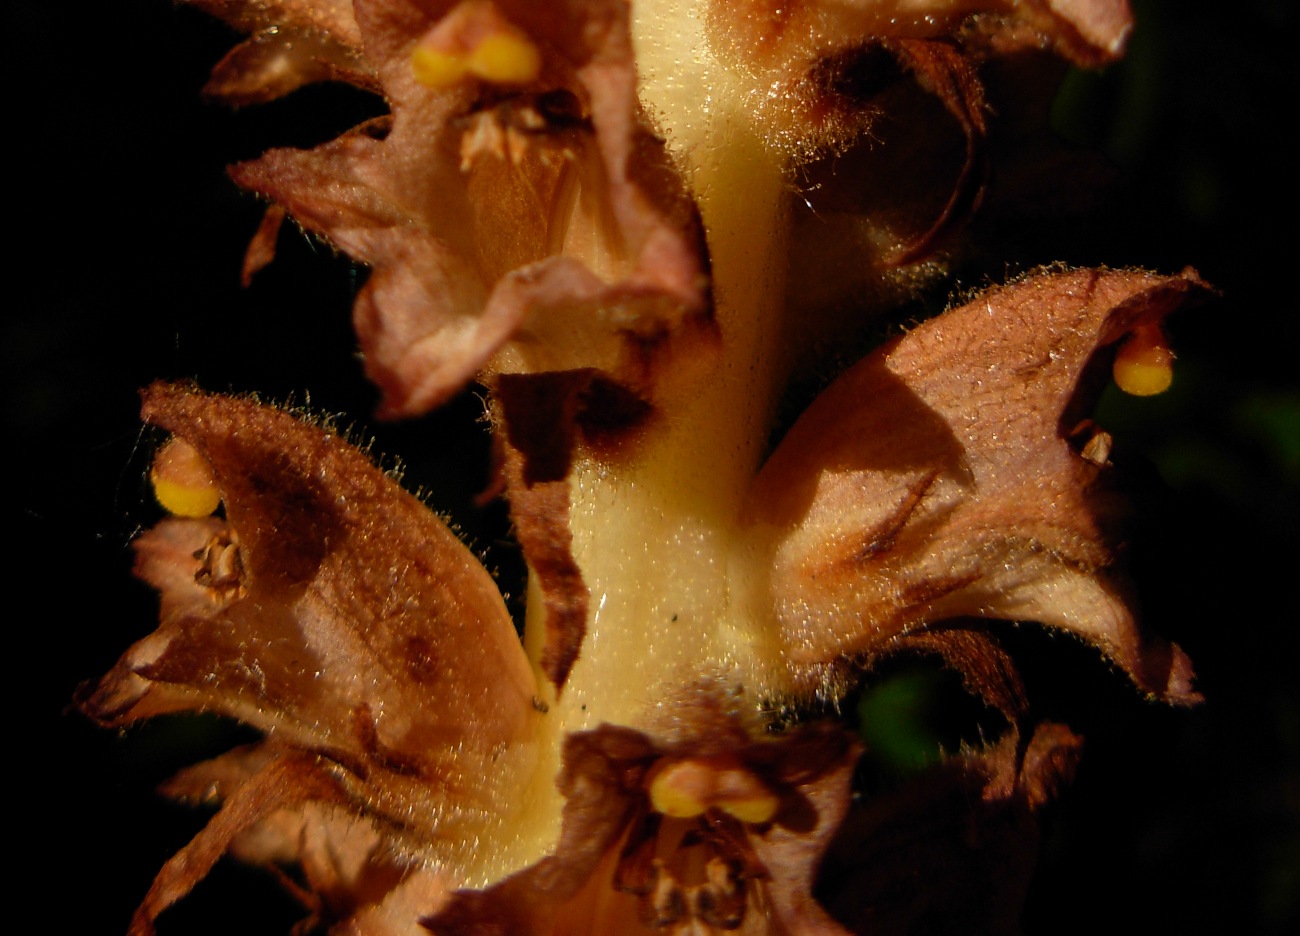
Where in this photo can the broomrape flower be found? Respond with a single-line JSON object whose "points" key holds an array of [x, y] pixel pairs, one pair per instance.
{"points": [[591, 208]]}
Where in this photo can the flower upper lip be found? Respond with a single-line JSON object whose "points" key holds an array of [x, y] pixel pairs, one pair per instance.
{"points": [[957, 491], [355, 607]]}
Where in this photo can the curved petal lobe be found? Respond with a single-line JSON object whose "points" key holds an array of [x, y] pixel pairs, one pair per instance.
{"points": [[945, 476]]}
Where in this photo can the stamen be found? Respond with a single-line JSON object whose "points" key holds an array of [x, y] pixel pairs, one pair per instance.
{"points": [[506, 58], [1144, 366], [475, 40], [437, 69], [183, 482], [688, 787], [680, 788], [756, 808]]}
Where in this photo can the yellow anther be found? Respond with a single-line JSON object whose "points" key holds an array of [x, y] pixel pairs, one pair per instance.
{"points": [[680, 788], [758, 807], [437, 69], [687, 787], [506, 57], [1144, 366], [474, 40], [183, 482]]}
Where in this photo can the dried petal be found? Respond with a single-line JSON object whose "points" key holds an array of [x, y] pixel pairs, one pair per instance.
{"points": [[293, 43], [283, 809], [332, 18], [286, 782], [345, 860], [938, 479]]}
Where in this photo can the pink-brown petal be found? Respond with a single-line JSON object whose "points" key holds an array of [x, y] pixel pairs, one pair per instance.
{"points": [[331, 608], [287, 782], [291, 43], [789, 35], [939, 479], [547, 215]]}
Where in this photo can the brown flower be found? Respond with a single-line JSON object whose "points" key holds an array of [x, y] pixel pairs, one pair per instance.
{"points": [[340, 616], [711, 832], [953, 473], [494, 209]]}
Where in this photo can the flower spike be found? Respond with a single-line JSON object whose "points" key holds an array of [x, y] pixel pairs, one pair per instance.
{"points": [[641, 227]]}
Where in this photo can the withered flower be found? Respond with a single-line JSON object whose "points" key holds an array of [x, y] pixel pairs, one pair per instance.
{"points": [[590, 208], [509, 198]]}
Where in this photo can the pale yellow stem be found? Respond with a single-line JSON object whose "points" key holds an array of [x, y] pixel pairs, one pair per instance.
{"points": [[653, 537]]}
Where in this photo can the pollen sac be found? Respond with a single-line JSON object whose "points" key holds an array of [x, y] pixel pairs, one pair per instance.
{"points": [[687, 787], [475, 41], [1144, 366], [505, 58], [183, 482], [437, 69]]}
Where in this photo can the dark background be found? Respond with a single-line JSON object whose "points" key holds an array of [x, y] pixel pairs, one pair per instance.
{"points": [[128, 240]]}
